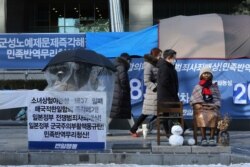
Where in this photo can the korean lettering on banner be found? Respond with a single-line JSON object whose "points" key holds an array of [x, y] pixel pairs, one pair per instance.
{"points": [[18, 49], [67, 119], [136, 80], [40, 47], [241, 93], [230, 76], [137, 85]]}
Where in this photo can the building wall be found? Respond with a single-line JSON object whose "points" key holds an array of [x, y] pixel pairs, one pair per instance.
{"points": [[23, 15], [169, 8], [17, 16], [140, 14], [2, 15], [42, 16]]}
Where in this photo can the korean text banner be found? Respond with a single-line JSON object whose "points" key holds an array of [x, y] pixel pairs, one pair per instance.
{"points": [[70, 120], [232, 77], [33, 51]]}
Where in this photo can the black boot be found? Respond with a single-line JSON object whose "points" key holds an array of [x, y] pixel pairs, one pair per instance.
{"points": [[139, 121]]}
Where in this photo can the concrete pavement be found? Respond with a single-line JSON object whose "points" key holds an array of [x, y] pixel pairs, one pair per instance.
{"points": [[122, 148]]}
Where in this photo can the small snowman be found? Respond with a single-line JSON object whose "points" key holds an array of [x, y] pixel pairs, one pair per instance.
{"points": [[176, 139]]}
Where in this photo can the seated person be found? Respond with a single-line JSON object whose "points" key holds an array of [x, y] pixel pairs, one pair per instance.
{"points": [[206, 102]]}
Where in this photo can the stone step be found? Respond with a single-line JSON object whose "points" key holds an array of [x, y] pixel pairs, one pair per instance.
{"points": [[128, 147], [165, 147]]}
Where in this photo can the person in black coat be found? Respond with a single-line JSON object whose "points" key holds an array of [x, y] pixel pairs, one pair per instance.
{"points": [[121, 104], [168, 84]]}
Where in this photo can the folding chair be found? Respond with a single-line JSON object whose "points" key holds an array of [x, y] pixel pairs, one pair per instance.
{"points": [[167, 111]]}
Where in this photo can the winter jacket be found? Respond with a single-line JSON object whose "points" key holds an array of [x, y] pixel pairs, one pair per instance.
{"points": [[167, 80], [150, 81], [121, 105], [206, 113], [198, 98]]}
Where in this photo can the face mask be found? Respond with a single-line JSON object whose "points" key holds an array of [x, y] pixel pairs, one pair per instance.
{"points": [[173, 61]]}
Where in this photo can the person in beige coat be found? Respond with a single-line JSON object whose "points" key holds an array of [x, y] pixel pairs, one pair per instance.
{"points": [[150, 96]]}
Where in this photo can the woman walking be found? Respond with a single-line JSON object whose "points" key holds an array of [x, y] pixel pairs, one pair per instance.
{"points": [[150, 81]]}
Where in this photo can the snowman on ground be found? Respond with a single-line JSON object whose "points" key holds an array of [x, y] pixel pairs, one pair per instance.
{"points": [[176, 139]]}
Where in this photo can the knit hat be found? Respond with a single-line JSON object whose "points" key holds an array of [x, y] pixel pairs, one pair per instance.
{"points": [[205, 69]]}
